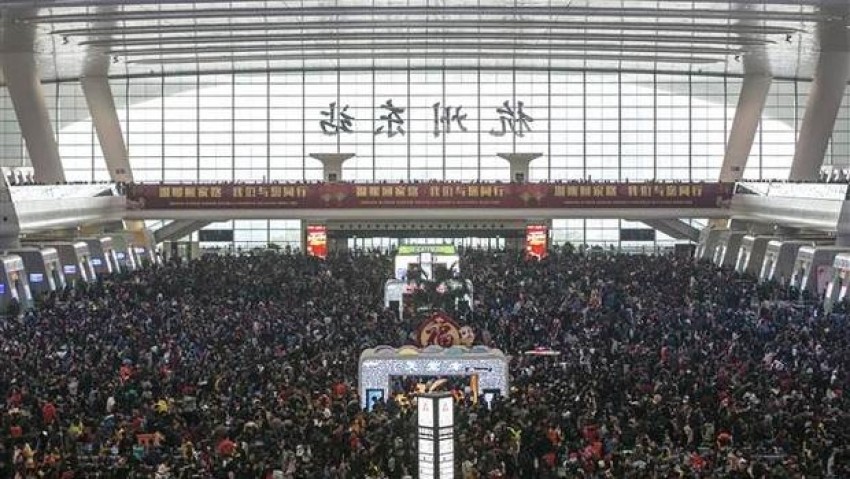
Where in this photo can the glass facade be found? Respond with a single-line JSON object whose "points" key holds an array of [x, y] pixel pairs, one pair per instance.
{"points": [[425, 124], [438, 124]]}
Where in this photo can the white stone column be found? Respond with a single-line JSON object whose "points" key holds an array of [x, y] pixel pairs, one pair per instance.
{"points": [[22, 80], [744, 126], [519, 164], [105, 119], [332, 164], [825, 95]]}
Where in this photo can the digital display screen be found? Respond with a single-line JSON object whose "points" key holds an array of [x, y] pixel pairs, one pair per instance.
{"points": [[36, 277], [372, 397], [317, 241], [96, 262], [69, 269], [637, 234], [215, 236], [536, 241], [2, 288]]}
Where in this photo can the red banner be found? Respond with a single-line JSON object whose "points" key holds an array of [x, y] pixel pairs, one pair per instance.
{"points": [[536, 241], [429, 195], [317, 241]]}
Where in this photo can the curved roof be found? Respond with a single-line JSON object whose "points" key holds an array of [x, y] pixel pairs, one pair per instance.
{"points": [[143, 37]]}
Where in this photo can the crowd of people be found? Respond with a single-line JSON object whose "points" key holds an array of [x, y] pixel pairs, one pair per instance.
{"points": [[245, 366]]}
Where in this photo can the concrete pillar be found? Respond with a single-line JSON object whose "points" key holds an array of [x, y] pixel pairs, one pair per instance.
{"points": [[22, 79], [332, 164], [519, 164], [744, 127], [105, 119], [303, 244], [825, 95]]}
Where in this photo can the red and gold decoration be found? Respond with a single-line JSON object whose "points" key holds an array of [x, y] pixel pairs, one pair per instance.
{"points": [[439, 330], [442, 330], [317, 241], [536, 241]]}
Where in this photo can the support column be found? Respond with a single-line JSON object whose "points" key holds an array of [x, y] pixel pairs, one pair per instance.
{"points": [[21, 74], [332, 164], [825, 95], [519, 164], [744, 127], [105, 119]]}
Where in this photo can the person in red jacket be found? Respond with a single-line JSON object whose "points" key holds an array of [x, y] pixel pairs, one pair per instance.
{"points": [[226, 447], [48, 413]]}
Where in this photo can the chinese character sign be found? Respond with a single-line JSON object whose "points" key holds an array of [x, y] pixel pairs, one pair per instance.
{"points": [[444, 118], [536, 241], [511, 119], [431, 195], [392, 120], [338, 120], [317, 241]]}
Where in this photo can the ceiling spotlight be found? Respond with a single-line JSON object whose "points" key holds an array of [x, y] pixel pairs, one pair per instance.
{"points": [[788, 37], [737, 58], [64, 40], [115, 59]]}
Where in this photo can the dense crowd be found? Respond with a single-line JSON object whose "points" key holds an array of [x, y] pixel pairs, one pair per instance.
{"points": [[245, 366]]}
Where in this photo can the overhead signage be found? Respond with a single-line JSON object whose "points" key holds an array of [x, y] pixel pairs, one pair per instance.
{"points": [[429, 195], [511, 117], [637, 234], [417, 249], [215, 236]]}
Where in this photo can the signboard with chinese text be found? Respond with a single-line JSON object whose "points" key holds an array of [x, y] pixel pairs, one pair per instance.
{"points": [[435, 437], [637, 234], [429, 195], [439, 249], [536, 241], [317, 241], [215, 236]]}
